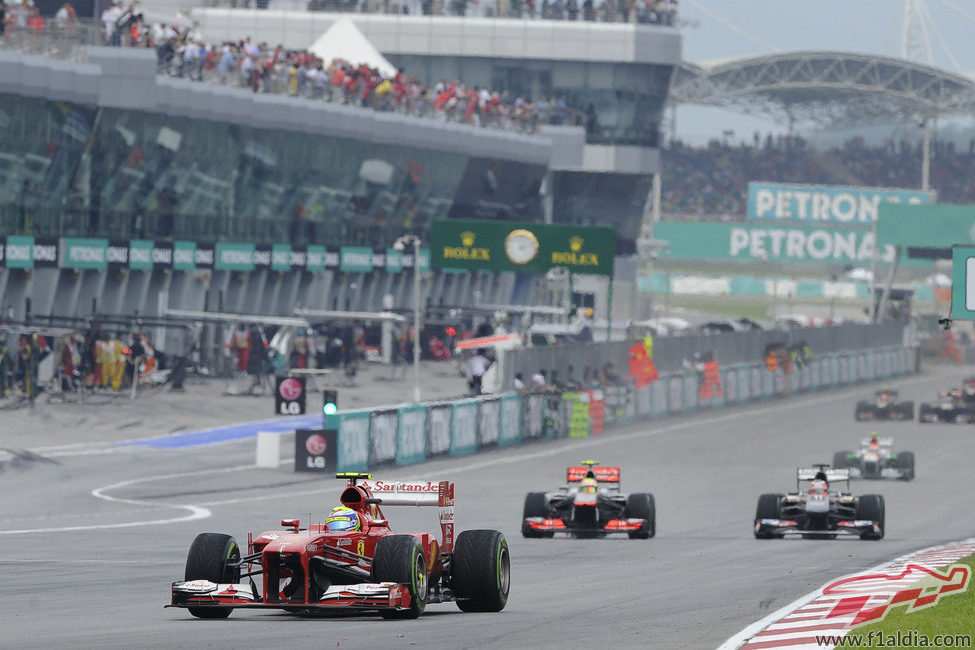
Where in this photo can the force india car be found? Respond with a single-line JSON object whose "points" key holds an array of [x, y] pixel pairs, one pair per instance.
{"points": [[817, 510], [578, 511], [876, 459], [305, 570], [950, 407], [884, 406]]}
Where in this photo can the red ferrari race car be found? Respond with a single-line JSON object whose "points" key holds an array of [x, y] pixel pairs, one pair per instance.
{"points": [[351, 562], [591, 505]]}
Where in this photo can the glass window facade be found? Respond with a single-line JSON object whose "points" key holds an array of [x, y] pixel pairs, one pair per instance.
{"points": [[588, 199], [74, 170], [617, 103]]}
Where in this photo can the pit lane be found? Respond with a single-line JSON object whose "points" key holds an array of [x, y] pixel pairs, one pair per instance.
{"points": [[95, 574]]}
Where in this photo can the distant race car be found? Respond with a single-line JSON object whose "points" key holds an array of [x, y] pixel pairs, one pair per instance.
{"points": [[876, 459], [818, 510], [950, 407], [352, 562], [884, 406], [968, 390], [590, 505]]}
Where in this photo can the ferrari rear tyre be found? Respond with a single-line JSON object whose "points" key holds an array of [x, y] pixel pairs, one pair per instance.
{"points": [[400, 559], [535, 506], [769, 507], [642, 506], [481, 571], [871, 506], [841, 460], [213, 557], [905, 463]]}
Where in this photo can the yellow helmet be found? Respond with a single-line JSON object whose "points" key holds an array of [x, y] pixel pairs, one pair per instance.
{"points": [[342, 519], [588, 486]]}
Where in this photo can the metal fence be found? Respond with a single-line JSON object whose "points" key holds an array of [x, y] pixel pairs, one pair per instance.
{"points": [[411, 433], [671, 353]]}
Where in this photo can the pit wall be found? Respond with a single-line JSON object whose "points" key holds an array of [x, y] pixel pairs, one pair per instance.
{"points": [[411, 433]]}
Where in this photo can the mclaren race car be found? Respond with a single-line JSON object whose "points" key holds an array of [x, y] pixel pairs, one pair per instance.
{"points": [[352, 562], [884, 406], [876, 459], [589, 505], [818, 510], [950, 407]]}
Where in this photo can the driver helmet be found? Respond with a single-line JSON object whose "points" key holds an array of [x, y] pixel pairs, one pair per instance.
{"points": [[874, 442], [818, 487], [588, 486], [342, 519]]}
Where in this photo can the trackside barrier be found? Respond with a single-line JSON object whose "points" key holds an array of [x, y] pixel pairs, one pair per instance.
{"points": [[410, 433]]}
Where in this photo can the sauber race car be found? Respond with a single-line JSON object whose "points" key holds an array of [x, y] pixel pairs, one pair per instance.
{"points": [[884, 406], [590, 505], [950, 407], [876, 459], [817, 510], [352, 562]]}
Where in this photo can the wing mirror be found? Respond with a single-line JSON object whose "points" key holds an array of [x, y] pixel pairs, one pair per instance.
{"points": [[290, 523]]}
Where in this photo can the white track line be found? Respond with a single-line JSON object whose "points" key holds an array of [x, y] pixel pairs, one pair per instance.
{"points": [[561, 446], [742, 637]]}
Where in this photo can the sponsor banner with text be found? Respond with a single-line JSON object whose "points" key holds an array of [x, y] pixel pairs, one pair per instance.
{"points": [[785, 244], [527, 247], [852, 206]]}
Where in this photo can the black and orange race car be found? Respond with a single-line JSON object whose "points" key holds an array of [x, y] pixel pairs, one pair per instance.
{"points": [[352, 562], [884, 406], [589, 505]]}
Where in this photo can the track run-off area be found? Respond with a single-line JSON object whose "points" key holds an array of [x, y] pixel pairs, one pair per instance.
{"points": [[91, 536]]}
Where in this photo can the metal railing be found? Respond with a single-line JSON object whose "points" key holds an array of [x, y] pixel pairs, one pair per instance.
{"points": [[644, 12]]}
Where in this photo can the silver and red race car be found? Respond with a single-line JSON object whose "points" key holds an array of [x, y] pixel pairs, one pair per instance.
{"points": [[366, 568], [590, 505]]}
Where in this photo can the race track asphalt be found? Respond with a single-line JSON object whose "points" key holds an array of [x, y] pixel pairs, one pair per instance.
{"points": [[77, 573]]}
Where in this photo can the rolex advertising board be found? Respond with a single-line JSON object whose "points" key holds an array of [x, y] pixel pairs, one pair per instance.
{"points": [[526, 247]]}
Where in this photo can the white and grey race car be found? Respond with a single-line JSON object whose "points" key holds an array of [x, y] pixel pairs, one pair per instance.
{"points": [[817, 510], [876, 459]]}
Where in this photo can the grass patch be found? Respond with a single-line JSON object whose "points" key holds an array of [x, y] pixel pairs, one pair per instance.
{"points": [[727, 306], [954, 614]]}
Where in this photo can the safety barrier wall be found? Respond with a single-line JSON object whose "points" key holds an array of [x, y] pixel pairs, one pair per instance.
{"points": [[411, 433], [670, 353]]}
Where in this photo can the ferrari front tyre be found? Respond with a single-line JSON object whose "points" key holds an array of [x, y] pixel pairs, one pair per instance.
{"points": [[481, 571], [400, 559], [841, 460], [535, 506], [905, 463], [642, 506], [871, 507], [769, 507], [214, 557]]}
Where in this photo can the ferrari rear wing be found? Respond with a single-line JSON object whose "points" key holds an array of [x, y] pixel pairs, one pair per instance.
{"points": [[417, 493]]}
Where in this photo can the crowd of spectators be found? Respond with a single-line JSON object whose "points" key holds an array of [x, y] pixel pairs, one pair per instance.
{"points": [[264, 69], [711, 182]]}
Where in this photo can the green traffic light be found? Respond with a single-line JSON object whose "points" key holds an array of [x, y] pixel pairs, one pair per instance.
{"points": [[330, 409]]}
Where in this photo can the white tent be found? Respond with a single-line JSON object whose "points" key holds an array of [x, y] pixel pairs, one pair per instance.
{"points": [[343, 40]]}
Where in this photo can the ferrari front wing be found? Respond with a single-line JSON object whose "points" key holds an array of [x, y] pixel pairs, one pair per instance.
{"points": [[363, 596]]}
